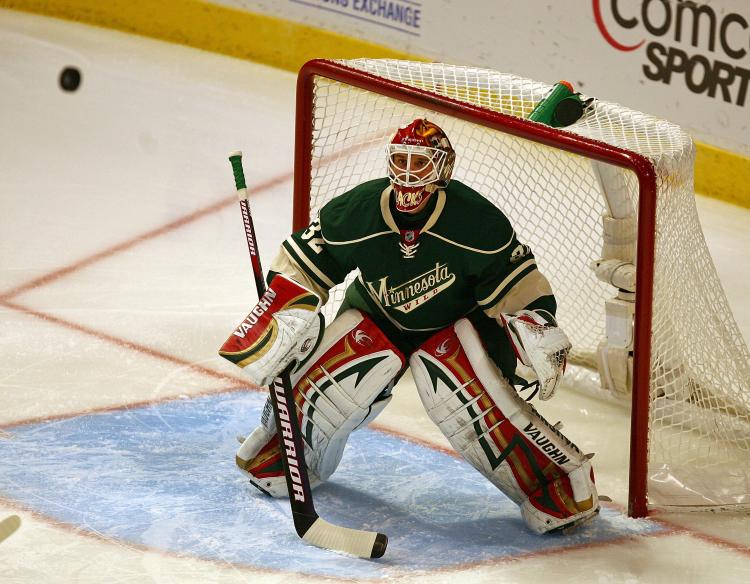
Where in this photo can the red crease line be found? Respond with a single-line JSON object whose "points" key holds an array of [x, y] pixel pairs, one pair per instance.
{"points": [[148, 235], [124, 343]]}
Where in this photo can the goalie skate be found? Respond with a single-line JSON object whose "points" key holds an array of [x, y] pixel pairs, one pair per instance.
{"points": [[573, 526]]}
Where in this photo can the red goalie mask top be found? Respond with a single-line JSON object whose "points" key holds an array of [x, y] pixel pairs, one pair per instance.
{"points": [[420, 161]]}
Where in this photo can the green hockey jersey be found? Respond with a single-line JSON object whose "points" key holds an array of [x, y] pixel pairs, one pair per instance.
{"points": [[421, 273]]}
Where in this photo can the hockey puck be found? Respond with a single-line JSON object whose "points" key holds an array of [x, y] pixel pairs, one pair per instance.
{"points": [[70, 79]]}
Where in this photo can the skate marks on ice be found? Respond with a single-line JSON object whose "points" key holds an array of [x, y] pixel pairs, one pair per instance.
{"points": [[163, 476]]}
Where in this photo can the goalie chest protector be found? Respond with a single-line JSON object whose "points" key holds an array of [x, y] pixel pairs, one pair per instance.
{"points": [[464, 254]]}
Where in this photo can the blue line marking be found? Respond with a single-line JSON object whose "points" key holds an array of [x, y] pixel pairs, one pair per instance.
{"points": [[342, 13], [163, 476]]}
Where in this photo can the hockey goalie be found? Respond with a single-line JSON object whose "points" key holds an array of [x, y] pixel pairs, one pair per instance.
{"points": [[444, 287]]}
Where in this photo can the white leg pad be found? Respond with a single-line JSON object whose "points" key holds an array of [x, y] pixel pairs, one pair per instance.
{"points": [[340, 388], [499, 433]]}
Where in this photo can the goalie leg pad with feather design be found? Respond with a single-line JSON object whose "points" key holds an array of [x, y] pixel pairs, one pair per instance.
{"points": [[500, 434], [344, 385]]}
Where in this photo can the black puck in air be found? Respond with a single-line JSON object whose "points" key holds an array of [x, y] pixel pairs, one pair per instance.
{"points": [[70, 79]]}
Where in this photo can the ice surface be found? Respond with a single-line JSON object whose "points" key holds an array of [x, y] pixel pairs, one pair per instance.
{"points": [[123, 267]]}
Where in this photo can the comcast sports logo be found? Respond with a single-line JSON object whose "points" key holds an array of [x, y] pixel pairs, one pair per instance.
{"points": [[605, 31], [683, 42]]}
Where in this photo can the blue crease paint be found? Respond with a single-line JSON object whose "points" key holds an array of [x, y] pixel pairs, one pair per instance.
{"points": [[163, 476]]}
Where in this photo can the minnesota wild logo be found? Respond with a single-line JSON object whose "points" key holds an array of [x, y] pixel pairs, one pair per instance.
{"points": [[413, 293]]}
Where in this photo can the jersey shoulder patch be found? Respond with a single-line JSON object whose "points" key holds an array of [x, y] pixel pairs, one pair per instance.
{"points": [[471, 221], [355, 214]]}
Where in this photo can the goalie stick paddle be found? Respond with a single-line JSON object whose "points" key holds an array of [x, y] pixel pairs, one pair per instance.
{"points": [[8, 526], [309, 526]]}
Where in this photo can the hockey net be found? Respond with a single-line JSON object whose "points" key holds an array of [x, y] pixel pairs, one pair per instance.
{"points": [[690, 367]]}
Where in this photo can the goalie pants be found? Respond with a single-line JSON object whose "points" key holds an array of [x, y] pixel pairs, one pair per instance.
{"points": [[493, 335]]}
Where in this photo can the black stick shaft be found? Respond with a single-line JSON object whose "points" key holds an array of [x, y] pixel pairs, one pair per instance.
{"points": [[282, 396], [247, 219], [292, 453]]}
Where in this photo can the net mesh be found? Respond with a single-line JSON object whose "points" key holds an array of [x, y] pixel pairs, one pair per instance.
{"points": [[699, 426]]}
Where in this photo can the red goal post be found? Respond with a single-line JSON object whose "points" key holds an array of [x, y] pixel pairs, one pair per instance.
{"points": [[418, 88]]}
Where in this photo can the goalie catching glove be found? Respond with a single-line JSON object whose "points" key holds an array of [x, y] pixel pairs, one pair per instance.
{"points": [[284, 326], [541, 345]]}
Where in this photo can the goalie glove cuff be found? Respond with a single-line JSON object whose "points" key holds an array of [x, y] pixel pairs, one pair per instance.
{"points": [[285, 325]]}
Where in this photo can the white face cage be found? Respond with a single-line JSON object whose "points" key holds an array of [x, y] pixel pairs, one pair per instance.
{"points": [[422, 174]]}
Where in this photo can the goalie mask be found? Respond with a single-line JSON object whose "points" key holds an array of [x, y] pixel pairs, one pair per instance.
{"points": [[420, 161]]}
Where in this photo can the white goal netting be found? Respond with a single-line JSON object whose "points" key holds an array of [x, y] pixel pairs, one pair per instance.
{"points": [[699, 414]]}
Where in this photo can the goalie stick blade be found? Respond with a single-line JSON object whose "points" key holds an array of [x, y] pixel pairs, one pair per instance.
{"points": [[8, 526], [355, 542]]}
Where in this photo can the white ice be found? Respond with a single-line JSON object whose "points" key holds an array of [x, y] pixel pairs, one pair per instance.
{"points": [[123, 265]]}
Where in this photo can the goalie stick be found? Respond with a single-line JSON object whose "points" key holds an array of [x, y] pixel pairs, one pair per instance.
{"points": [[309, 526]]}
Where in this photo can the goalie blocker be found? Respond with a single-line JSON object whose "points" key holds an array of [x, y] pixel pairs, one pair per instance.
{"points": [[500, 434], [284, 326]]}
